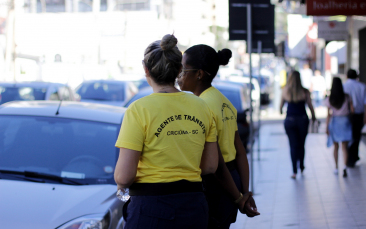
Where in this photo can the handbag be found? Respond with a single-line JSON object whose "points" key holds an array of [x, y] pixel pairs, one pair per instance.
{"points": [[314, 126]]}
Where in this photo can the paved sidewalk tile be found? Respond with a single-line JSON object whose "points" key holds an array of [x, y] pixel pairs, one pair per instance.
{"points": [[318, 199]]}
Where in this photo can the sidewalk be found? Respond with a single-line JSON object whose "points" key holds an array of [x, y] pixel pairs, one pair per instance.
{"points": [[318, 199]]}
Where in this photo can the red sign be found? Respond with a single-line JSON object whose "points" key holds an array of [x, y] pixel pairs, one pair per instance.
{"points": [[335, 7]]}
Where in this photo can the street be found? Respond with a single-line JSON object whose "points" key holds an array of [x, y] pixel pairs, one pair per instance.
{"points": [[318, 199]]}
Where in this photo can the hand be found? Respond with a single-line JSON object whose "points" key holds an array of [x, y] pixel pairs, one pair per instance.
{"points": [[281, 112], [327, 131], [242, 202], [119, 187], [313, 118], [250, 208]]}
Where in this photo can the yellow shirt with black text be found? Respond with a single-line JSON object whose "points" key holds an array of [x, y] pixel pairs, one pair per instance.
{"points": [[170, 130], [225, 116]]}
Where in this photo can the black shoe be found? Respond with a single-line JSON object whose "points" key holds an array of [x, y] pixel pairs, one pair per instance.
{"points": [[344, 172], [302, 170]]}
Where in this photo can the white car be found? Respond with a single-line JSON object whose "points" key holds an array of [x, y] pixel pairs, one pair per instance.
{"points": [[57, 163]]}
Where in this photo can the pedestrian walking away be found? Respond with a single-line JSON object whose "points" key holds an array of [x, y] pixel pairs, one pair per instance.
{"points": [[167, 140], [357, 91], [200, 66], [297, 121], [318, 88], [339, 128]]}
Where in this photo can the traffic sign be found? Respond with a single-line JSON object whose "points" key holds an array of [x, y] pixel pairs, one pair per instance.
{"points": [[262, 23]]}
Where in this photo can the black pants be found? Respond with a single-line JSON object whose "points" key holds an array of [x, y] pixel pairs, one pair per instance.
{"points": [[178, 211], [296, 130], [357, 125], [222, 209]]}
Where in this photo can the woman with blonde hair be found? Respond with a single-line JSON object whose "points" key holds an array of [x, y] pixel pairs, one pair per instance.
{"points": [[297, 121], [167, 141]]}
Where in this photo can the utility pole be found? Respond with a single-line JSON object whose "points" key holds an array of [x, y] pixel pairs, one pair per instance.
{"points": [[33, 6], [96, 6], [75, 6]]}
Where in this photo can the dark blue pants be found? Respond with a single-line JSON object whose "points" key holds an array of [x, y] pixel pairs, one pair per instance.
{"points": [[178, 211], [296, 130], [222, 209]]}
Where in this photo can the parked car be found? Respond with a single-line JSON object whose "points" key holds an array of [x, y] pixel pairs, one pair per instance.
{"points": [[28, 91], [236, 95], [57, 164], [141, 84], [109, 92]]}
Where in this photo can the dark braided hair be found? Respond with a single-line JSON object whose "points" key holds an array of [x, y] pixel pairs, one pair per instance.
{"points": [[206, 58], [163, 60]]}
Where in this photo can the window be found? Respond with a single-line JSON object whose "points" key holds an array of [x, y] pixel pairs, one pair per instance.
{"points": [[64, 147], [64, 93], [8, 94], [102, 91]]}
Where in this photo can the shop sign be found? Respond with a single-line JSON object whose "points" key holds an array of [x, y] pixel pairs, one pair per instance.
{"points": [[335, 7], [332, 30]]}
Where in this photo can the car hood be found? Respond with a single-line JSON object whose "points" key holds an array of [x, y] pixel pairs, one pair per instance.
{"points": [[40, 205], [105, 102]]}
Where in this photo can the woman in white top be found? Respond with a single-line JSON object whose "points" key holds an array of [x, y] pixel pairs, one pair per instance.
{"points": [[339, 128]]}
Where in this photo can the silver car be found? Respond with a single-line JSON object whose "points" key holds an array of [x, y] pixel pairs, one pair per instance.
{"points": [[56, 165]]}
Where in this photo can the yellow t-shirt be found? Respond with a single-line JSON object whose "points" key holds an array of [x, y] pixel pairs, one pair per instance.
{"points": [[170, 130], [225, 116]]}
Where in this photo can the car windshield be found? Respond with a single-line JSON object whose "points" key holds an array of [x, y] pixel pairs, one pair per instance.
{"points": [[233, 97], [102, 91], [70, 148], [8, 94]]}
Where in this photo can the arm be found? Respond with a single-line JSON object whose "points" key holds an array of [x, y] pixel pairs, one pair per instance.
{"points": [[310, 104], [126, 167], [351, 107], [210, 159], [226, 181], [242, 164], [282, 104], [328, 120]]}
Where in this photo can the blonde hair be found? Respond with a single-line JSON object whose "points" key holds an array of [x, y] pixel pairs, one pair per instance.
{"points": [[294, 89], [163, 60]]}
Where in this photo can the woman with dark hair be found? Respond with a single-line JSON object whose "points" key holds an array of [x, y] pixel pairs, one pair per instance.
{"points": [[200, 66], [167, 140], [297, 121], [339, 127]]}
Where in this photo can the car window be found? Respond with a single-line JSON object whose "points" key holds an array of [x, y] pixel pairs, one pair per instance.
{"points": [[64, 93], [8, 94], [102, 91], [233, 97], [131, 90], [65, 147]]}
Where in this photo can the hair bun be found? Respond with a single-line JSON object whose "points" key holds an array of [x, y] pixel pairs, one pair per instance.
{"points": [[168, 42], [224, 56]]}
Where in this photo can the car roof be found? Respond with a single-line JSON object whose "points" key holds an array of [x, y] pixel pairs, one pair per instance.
{"points": [[106, 81], [68, 109], [227, 85], [34, 84]]}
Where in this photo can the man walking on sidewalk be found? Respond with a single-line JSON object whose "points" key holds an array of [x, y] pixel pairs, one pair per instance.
{"points": [[357, 91]]}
